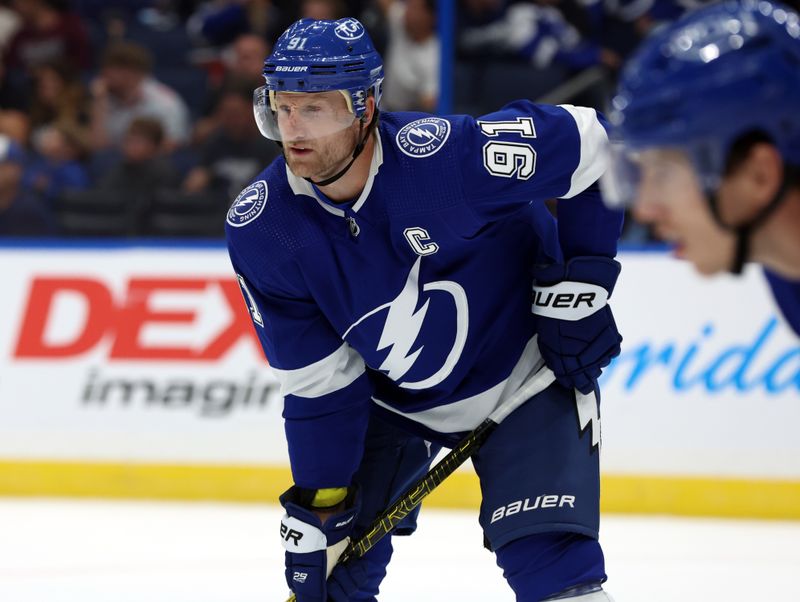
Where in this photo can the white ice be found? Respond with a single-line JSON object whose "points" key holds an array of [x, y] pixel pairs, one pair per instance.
{"points": [[91, 551]]}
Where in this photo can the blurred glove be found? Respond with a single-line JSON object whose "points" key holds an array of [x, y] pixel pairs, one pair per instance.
{"points": [[577, 333], [313, 548]]}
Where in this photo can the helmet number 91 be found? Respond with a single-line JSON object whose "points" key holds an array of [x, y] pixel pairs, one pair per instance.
{"points": [[509, 159], [297, 44]]}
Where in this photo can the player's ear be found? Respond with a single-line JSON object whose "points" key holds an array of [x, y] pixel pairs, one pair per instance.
{"points": [[369, 113], [763, 170]]}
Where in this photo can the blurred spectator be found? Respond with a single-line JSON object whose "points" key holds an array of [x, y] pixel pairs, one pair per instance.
{"points": [[124, 90], [49, 31], [236, 151], [58, 96], [142, 168], [243, 61], [161, 15], [621, 24], [575, 12], [10, 23], [412, 56], [323, 9], [14, 121], [21, 212], [61, 150], [219, 22], [474, 13], [539, 34]]}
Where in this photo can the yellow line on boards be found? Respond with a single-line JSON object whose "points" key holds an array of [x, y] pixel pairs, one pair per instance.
{"points": [[701, 496], [149, 481], [688, 496]]}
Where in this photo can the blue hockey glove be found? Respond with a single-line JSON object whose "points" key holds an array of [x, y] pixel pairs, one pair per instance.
{"points": [[313, 549], [346, 580], [577, 333]]}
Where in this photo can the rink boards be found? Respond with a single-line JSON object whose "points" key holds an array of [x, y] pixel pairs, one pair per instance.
{"points": [[132, 371]]}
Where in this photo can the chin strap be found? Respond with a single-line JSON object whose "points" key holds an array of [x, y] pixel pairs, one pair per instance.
{"points": [[356, 152], [743, 232]]}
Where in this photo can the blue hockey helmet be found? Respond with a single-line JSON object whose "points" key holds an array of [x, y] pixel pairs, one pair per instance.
{"points": [[703, 82], [320, 56]]}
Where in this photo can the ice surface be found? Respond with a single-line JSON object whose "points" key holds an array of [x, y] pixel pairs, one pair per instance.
{"points": [[93, 551]]}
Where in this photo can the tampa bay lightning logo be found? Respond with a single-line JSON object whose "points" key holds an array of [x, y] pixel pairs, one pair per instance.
{"points": [[348, 30], [404, 323], [423, 137], [248, 205]]}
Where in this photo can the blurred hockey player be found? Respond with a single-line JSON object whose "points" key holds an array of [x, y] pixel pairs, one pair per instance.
{"points": [[387, 265], [707, 141]]}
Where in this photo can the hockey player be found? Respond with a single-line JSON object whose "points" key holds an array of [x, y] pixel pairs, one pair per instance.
{"points": [[707, 114], [387, 264]]}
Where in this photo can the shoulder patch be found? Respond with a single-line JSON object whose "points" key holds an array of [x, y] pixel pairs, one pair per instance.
{"points": [[248, 205], [423, 137]]}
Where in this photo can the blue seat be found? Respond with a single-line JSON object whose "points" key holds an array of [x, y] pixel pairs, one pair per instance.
{"points": [[191, 83], [98, 213], [170, 47], [174, 213]]}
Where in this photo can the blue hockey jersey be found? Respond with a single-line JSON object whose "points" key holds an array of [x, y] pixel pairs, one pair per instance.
{"points": [[787, 296], [415, 297]]}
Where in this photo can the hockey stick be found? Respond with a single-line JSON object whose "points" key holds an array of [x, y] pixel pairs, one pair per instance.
{"points": [[413, 496], [574, 86]]}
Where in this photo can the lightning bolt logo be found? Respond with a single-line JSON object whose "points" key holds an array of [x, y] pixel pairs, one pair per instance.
{"points": [[424, 133], [403, 325], [588, 415], [251, 198]]}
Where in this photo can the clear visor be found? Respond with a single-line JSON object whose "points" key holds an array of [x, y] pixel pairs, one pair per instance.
{"points": [[620, 182], [657, 174], [294, 117]]}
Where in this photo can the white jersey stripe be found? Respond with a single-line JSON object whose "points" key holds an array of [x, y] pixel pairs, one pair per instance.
{"points": [[377, 161], [328, 375], [468, 413], [594, 149]]}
